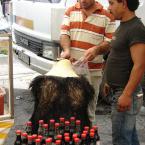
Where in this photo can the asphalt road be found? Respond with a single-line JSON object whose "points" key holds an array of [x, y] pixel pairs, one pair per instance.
{"points": [[24, 105]]}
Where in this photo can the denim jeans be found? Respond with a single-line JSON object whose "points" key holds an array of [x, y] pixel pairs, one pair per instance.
{"points": [[124, 123]]}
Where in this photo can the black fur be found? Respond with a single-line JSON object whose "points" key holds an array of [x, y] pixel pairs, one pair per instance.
{"points": [[60, 97]]}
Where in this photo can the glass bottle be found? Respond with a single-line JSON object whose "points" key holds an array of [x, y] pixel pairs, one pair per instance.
{"points": [[78, 127], [24, 138], [18, 138], [92, 139], [51, 128], [67, 126], [40, 137], [61, 120], [83, 139], [34, 137], [40, 128], [57, 125], [66, 134], [67, 140], [73, 138], [97, 137], [29, 128], [29, 140], [45, 133], [45, 130], [72, 125], [87, 135]]}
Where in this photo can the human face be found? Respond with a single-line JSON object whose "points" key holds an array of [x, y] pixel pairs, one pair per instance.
{"points": [[86, 4], [116, 8]]}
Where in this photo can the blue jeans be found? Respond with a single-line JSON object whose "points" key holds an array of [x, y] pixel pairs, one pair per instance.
{"points": [[124, 123]]}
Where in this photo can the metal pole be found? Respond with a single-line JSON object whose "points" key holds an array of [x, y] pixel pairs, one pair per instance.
{"points": [[10, 64]]}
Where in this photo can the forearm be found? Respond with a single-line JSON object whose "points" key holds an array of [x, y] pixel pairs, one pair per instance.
{"points": [[102, 48], [65, 42], [135, 78]]}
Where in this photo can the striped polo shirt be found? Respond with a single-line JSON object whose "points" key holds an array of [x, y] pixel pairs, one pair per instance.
{"points": [[87, 30]]}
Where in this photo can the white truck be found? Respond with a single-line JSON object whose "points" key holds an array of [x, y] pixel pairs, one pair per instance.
{"points": [[36, 30]]}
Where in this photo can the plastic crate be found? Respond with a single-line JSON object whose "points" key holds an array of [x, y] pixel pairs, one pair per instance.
{"points": [[2, 93]]}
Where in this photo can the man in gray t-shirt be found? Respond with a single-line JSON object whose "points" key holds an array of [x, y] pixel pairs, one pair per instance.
{"points": [[124, 70]]}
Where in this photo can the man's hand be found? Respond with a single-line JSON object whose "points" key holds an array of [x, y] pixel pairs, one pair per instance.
{"points": [[89, 54], [124, 103], [106, 89], [65, 54]]}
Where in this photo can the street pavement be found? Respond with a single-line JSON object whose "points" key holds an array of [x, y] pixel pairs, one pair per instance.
{"points": [[23, 105]]}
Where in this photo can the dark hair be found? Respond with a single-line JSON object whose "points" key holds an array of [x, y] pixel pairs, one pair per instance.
{"points": [[132, 4]]}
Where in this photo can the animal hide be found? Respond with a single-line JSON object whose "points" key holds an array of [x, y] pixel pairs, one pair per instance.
{"points": [[60, 97]]}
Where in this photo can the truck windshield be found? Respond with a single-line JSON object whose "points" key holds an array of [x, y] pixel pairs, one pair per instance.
{"points": [[46, 1]]}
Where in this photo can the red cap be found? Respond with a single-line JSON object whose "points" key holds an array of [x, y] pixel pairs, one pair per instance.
{"points": [[52, 121], [72, 118], [48, 140], [37, 140], [67, 123], [29, 123], [75, 135], [92, 130], [41, 121], [67, 138], [78, 122], [66, 134], [86, 128], [76, 140], [95, 127], [24, 134], [59, 136], [58, 142], [85, 131], [34, 136], [29, 137], [18, 132], [45, 125], [83, 135], [57, 125], [92, 134], [40, 137], [61, 119]]}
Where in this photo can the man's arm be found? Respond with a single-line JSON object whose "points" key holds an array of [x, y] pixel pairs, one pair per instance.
{"points": [[91, 53], [138, 57], [65, 44]]}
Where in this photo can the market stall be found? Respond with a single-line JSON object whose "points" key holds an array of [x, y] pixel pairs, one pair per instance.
{"points": [[6, 87]]}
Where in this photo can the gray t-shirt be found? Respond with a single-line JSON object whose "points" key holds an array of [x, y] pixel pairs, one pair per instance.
{"points": [[119, 62]]}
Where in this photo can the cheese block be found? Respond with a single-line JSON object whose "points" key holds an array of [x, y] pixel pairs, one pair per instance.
{"points": [[63, 68]]}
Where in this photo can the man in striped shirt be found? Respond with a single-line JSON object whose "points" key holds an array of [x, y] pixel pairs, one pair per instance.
{"points": [[86, 28]]}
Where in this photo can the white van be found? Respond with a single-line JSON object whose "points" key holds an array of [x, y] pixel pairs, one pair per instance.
{"points": [[36, 30]]}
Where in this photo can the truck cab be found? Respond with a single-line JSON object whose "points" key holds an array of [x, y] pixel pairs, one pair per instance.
{"points": [[36, 31]]}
